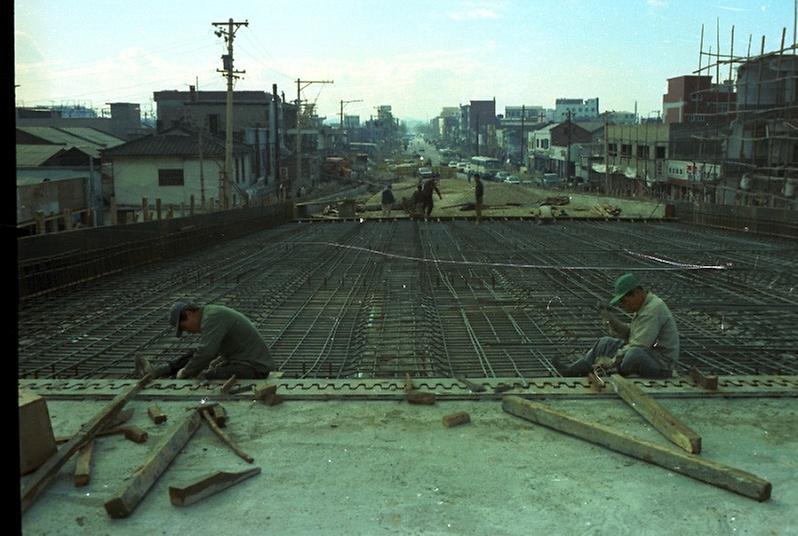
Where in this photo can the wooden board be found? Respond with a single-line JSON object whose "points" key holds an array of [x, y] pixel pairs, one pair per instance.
{"points": [[83, 465], [660, 418], [681, 462], [33, 487], [136, 487], [207, 486], [705, 382], [206, 413]]}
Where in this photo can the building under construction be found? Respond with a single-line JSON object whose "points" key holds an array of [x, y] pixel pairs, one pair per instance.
{"points": [[725, 141]]}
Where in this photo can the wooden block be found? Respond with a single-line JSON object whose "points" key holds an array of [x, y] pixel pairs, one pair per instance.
{"points": [[219, 416], [272, 400], [156, 414], [456, 419], [134, 433], [263, 392], [678, 461], [83, 465], [136, 487], [417, 397], [660, 418], [207, 486], [705, 382], [36, 440]]}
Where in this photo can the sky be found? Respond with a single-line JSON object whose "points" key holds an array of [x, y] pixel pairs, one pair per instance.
{"points": [[415, 55]]}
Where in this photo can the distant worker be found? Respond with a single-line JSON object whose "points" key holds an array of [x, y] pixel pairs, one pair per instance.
{"points": [[429, 186], [649, 345], [387, 201], [479, 191], [229, 344], [416, 201]]}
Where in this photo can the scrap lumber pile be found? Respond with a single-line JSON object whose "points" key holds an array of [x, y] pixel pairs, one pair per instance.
{"points": [[606, 210], [557, 200]]}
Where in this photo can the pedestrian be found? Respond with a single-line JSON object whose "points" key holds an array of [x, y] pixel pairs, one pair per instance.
{"points": [[387, 201], [647, 347], [429, 186], [416, 201], [228, 345], [479, 191]]}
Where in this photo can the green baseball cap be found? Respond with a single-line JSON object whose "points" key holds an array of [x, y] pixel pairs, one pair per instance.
{"points": [[623, 285]]}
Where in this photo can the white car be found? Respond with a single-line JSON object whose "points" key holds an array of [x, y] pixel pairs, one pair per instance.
{"points": [[425, 172], [501, 175], [462, 166], [452, 164], [512, 179]]}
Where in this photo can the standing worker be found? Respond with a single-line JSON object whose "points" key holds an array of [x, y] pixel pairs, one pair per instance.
{"points": [[428, 187], [479, 191], [229, 344], [649, 346], [387, 201]]}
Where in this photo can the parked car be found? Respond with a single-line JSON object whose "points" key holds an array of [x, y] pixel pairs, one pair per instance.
{"points": [[462, 166], [512, 179], [501, 175], [551, 179], [452, 164], [425, 172]]}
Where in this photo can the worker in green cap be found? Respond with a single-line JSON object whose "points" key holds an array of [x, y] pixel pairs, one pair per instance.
{"points": [[648, 346]]}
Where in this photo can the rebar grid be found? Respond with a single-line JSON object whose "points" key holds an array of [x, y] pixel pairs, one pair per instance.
{"points": [[433, 299]]}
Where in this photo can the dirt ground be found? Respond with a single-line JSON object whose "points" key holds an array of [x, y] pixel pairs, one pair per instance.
{"points": [[515, 200]]}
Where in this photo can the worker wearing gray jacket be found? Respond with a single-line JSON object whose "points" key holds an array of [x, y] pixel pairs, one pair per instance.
{"points": [[228, 344], [648, 346]]}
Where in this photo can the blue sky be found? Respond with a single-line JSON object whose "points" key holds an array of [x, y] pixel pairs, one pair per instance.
{"points": [[416, 55]]}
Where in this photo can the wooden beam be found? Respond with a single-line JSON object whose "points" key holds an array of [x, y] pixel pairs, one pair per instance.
{"points": [[83, 465], [41, 478], [224, 437], [228, 384], [660, 418], [681, 462], [207, 486], [136, 487]]}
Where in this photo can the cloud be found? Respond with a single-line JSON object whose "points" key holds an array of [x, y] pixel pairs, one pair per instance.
{"points": [[475, 13], [657, 3], [26, 50], [729, 8]]}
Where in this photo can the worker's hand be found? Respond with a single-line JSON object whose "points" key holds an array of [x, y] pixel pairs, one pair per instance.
{"points": [[181, 374]]}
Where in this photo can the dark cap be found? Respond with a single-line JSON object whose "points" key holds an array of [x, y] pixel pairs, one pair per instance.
{"points": [[174, 316], [624, 285]]}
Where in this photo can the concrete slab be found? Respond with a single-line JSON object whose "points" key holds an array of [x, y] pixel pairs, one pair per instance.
{"points": [[386, 467]]}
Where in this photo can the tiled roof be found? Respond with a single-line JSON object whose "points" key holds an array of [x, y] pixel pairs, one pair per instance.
{"points": [[97, 136], [174, 142]]}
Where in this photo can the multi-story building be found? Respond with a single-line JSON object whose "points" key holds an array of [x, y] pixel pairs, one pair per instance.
{"points": [[695, 99], [579, 110]]}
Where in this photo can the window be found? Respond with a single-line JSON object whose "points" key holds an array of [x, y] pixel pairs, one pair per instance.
{"points": [[612, 149], [660, 152], [642, 151], [213, 123], [626, 150], [170, 177]]}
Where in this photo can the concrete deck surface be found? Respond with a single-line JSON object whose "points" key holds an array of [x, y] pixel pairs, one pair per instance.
{"points": [[384, 467]]}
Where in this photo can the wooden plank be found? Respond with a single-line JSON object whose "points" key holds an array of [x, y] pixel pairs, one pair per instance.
{"points": [[690, 465], [224, 437], [228, 384], [136, 487], [82, 474], [705, 382], [660, 418], [39, 480], [207, 486], [113, 427]]}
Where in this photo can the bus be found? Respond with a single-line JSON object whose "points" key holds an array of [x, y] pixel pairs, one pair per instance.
{"points": [[485, 166]]}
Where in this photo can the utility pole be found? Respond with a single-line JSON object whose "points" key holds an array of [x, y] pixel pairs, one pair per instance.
{"points": [[227, 62], [299, 88], [568, 154], [342, 113], [523, 138], [606, 153]]}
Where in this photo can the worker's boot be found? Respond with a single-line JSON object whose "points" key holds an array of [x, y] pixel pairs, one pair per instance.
{"points": [[144, 367]]}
